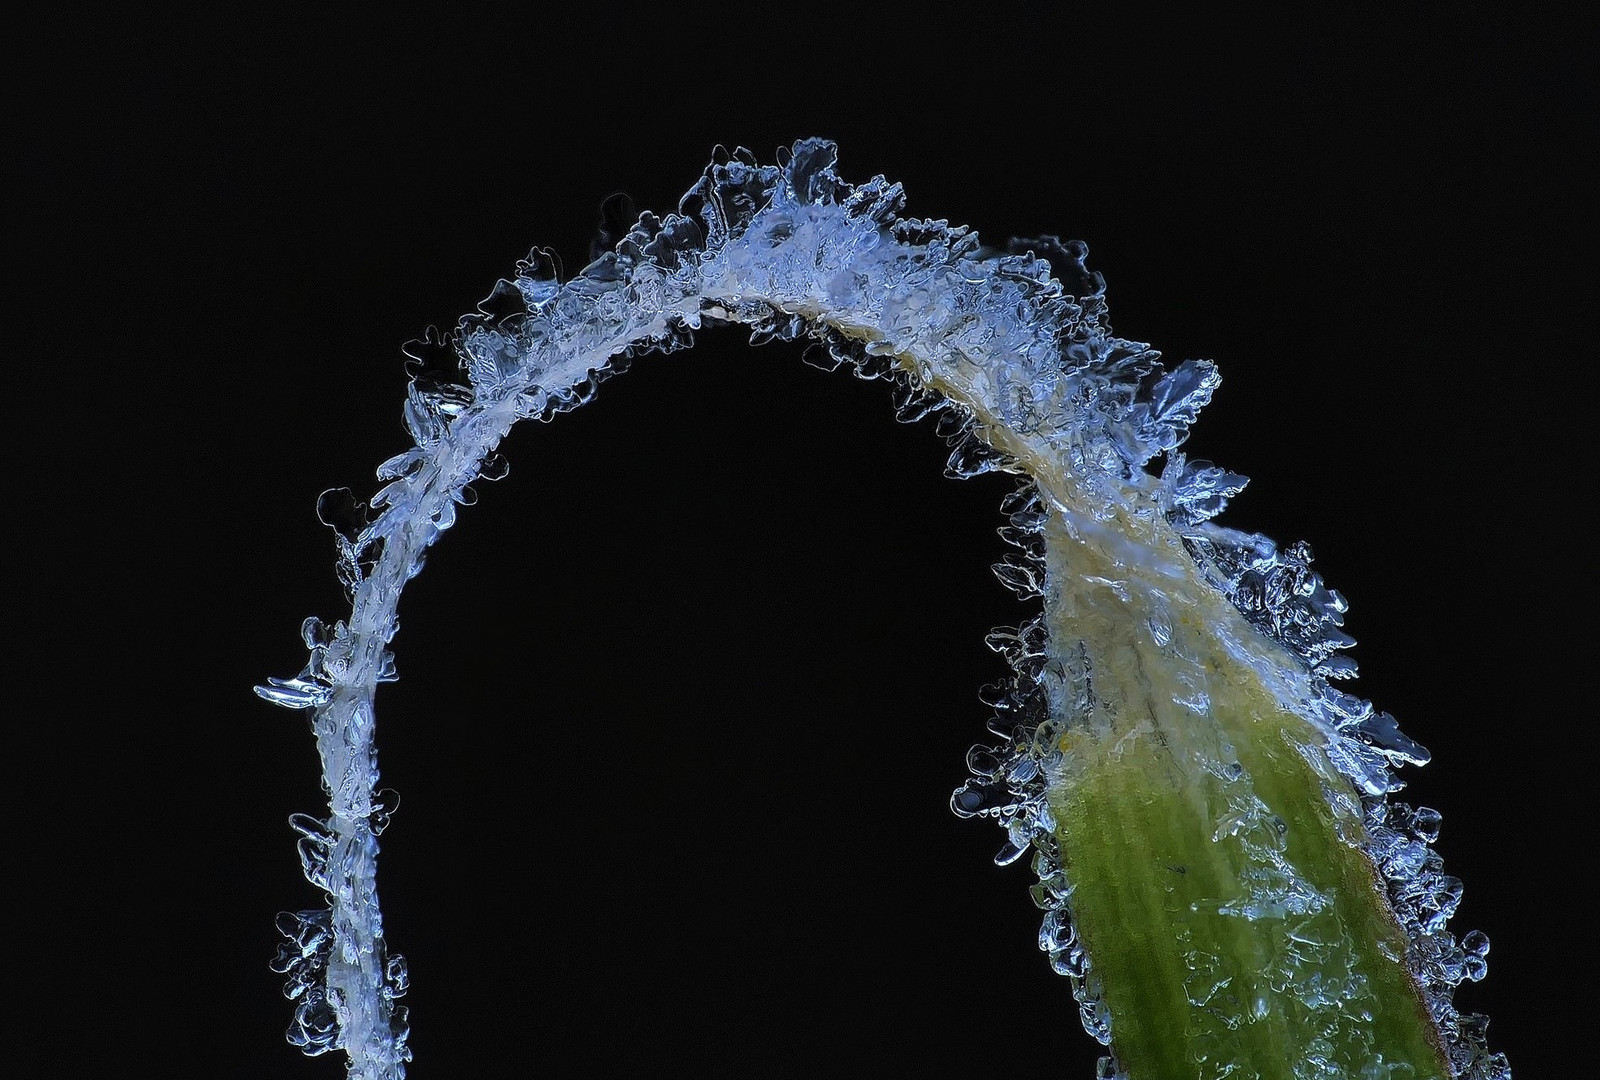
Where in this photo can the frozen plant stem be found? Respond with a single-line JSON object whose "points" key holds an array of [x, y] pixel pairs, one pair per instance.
{"points": [[1224, 880]]}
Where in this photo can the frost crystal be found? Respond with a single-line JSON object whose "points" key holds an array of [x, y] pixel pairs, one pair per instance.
{"points": [[1012, 353]]}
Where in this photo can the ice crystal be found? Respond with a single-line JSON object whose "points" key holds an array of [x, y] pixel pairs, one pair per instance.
{"points": [[1010, 351]]}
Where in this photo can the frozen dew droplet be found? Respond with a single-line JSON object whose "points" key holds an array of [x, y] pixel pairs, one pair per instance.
{"points": [[1096, 1017], [293, 693], [822, 357], [314, 633], [967, 800], [425, 423], [315, 1028], [396, 976], [1025, 514], [1009, 853], [971, 457], [1337, 667], [1052, 878], [494, 467], [1002, 639], [1426, 822], [340, 510], [1443, 900], [1108, 1069], [974, 798], [983, 761], [1493, 1067], [534, 404], [1056, 932], [505, 301], [384, 804], [1023, 538], [400, 1029], [314, 864], [1020, 575], [303, 955], [953, 423], [433, 355], [995, 695], [308, 930], [912, 402], [1383, 733], [402, 465], [314, 829], [386, 668], [1022, 771], [1072, 962]]}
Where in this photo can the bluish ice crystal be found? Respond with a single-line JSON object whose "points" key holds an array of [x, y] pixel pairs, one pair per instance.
{"points": [[793, 252]]}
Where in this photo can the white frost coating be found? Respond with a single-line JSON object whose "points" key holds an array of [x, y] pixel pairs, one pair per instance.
{"points": [[1028, 366]]}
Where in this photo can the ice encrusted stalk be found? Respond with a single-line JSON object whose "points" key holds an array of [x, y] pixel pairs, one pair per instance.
{"points": [[1223, 876]]}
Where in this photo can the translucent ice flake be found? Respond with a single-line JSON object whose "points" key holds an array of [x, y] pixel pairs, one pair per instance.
{"points": [[293, 693], [1140, 732], [1196, 491]]}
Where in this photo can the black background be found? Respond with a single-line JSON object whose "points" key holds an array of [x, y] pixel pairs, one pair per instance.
{"points": [[682, 699]]}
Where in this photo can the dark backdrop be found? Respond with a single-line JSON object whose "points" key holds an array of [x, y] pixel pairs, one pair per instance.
{"points": [[682, 699]]}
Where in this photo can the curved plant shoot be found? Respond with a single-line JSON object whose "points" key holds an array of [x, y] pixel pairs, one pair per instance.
{"points": [[1222, 874]]}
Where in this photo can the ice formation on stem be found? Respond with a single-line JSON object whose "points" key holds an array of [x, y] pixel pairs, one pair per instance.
{"points": [[1223, 876]]}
